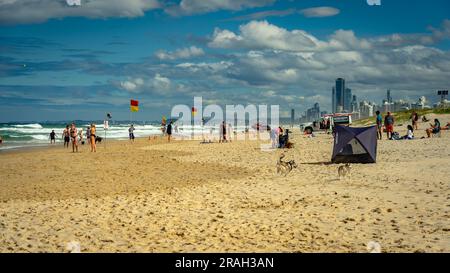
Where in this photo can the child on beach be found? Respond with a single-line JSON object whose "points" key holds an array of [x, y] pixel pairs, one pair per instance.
{"points": [[80, 136], [410, 133], [131, 133], [53, 137]]}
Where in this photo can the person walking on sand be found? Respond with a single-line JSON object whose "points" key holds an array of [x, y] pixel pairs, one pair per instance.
{"points": [[131, 133], [66, 136], [379, 120], [389, 124], [74, 135], [53, 137], [92, 132], [169, 131]]}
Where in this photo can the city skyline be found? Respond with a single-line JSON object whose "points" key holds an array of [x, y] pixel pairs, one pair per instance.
{"points": [[64, 61]]}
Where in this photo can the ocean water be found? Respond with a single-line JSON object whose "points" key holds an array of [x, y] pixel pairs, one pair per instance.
{"points": [[18, 135]]}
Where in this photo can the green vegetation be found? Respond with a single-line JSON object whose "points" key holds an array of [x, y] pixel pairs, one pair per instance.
{"points": [[403, 116]]}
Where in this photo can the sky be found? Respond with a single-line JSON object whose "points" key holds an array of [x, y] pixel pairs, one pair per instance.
{"points": [[79, 59]]}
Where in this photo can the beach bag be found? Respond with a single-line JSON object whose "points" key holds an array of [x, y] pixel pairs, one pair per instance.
{"points": [[396, 136]]}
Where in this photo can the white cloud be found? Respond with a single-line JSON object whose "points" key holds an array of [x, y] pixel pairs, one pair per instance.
{"points": [[184, 53], [436, 35], [160, 83], [36, 11], [73, 2], [188, 7], [320, 12], [157, 84], [132, 85], [263, 35]]}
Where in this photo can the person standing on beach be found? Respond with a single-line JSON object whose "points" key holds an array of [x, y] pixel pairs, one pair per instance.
{"points": [[1, 140], [80, 136], [74, 135], [415, 120], [131, 133], [274, 137], [389, 124], [92, 132], [53, 137], [224, 131], [88, 134], [379, 120], [66, 136], [229, 131], [169, 131]]}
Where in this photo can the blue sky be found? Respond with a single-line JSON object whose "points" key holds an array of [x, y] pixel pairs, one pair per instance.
{"points": [[62, 62]]}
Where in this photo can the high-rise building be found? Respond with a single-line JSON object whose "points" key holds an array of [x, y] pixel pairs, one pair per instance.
{"points": [[333, 100], [313, 114], [340, 90], [366, 109], [347, 100], [292, 117], [355, 107], [388, 96]]}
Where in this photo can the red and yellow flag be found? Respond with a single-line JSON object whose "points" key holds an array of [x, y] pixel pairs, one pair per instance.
{"points": [[134, 105], [194, 111]]}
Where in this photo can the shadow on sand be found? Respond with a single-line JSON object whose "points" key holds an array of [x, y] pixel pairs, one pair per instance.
{"points": [[318, 163]]}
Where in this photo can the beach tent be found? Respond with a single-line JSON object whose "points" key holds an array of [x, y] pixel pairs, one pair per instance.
{"points": [[355, 145]]}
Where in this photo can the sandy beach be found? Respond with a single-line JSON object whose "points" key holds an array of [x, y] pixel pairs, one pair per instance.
{"points": [[154, 196]]}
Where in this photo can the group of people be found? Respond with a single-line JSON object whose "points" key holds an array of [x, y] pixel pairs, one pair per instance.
{"points": [[167, 130], [72, 134], [389, 122], [388, 125], [279, 137]]}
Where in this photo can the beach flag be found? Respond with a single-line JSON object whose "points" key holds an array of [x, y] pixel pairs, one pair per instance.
{"points": [[164, 121], [194, 111], [134, 105]]}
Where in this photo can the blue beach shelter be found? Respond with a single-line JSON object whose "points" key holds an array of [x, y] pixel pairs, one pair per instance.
{"points": [[355, 145]]}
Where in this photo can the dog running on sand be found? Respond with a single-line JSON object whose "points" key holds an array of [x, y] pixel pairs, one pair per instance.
{"points": [[344, 171], [284, 167]]}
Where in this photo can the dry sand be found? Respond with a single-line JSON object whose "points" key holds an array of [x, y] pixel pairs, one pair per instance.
{"points": [[188, 197]]}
